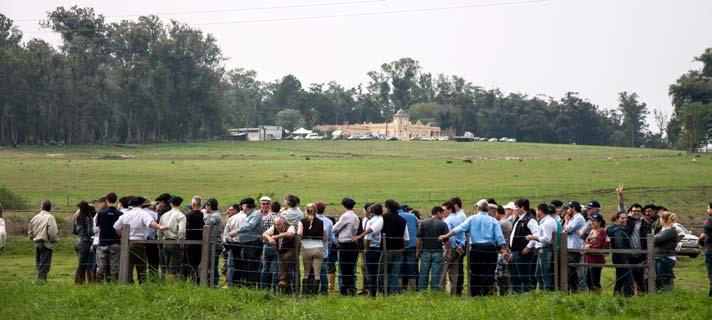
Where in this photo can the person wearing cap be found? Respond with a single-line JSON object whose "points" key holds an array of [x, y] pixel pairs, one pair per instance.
{"points": [[251, 242], [152, 252], [523, 261], [139, 221], [330, 242], [211, 217], [545, 246], [574, 222], [193, 231], [596, 240], [270, 267], [282, 237], [231, 239], [509, 211], [486, 239], [175, 223], [620, 240]]}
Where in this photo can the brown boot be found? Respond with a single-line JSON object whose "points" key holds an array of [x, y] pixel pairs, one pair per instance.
{"points": [[332, 281]]}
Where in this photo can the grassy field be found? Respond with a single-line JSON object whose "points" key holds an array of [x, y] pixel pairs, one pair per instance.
{"points": [[421, 174]]}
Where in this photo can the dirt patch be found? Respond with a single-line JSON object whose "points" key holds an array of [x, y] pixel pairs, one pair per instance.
{"points": [[55, 155]]}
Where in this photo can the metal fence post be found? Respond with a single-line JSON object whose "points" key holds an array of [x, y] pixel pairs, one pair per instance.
{"points": [[564, 265], [652, 275], [124, 275], [204, 254], [385, 264]]}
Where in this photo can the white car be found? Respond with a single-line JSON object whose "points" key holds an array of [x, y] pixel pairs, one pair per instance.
{"points": [[492, 140], [313, 136]]}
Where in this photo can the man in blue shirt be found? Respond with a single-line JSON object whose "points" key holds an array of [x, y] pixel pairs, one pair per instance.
{"points": [[408, 269], [486, 239], [457, 249]]}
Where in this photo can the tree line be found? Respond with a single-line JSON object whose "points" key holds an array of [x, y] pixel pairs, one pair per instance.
{"points": [[148, 81]]}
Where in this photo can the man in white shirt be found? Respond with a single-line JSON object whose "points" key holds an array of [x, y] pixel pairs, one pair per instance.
{"points": [[544, 237], [174, 221], [139, 221], [231, 240]]}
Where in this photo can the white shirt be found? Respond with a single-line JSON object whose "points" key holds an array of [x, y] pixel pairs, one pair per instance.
{"points": [[234, 223], [547, 226], [138, 221], [376, 225], [532, 225]]}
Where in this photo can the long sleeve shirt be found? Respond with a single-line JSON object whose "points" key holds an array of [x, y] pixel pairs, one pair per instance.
{"points": [[329, 229], [138, 221], [458, 240], [483, 229], [215, 221], [547, 228], [533, 227], [232, 225], [174, 220], [346, 227], [43, 227], [151, 234], [573, 240], [411, 222], [251, 230]]}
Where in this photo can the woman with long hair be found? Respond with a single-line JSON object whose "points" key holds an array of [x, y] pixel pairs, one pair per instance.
{"points": [[596, 240], [312, 234], [83, 228], [665, 244], [621, 240]]}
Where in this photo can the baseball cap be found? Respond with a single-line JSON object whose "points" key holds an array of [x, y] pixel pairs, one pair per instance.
{"points": [[596, 217], [593, 204], [265, 198], [510, 205]]}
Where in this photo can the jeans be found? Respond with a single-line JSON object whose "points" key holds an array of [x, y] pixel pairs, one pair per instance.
{"points": [[522, 268], [708, 261], [137, 260], [43, 260], [374, 279], [392, 269], [86, 258], [323, 278], [593, 278], [577, 275], [348, 255], [639, 273], [483, 261], [251, 254], [663, 269], [431, 262], [624, 281], [410, 266], [545, 269], [216, 274], [270, 267]]}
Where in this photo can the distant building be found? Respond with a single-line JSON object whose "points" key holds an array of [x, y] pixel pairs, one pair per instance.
{"points": [[261, 133], [400, 127]]}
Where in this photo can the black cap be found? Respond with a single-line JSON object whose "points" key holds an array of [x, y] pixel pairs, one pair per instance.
{"points": [[593, 204], [552, 209], [175, 200], [166, 197], [574, 204], [137, 201], [406, 208], [557, 203], [596, 217], [248, 201]]}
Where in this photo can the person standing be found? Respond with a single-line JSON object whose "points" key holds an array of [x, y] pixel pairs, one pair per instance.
{"points": [[152, 250], [270, 267], [451, 273], [211, 217], [395, 236], [281, 237], [231, 239], [573, 223], [621, 240], [372, 248], [83, 228], [193, 231], [250, 241], [175, 222], [705, 240], [345, 229], [311, 232], [429, 249], [665, 244], [486, 239], [3, 234], [596, 240], [461, 216], [523, 261], [330, 242], [44, 232], [545, 246], [139, 221], [410, 263], [109, 247]]}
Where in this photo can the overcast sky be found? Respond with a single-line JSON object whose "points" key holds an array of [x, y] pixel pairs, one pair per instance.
{"points": [[597, 48]]}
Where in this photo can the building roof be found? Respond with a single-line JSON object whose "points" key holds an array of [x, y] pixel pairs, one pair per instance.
{"points": [[400, 113]]}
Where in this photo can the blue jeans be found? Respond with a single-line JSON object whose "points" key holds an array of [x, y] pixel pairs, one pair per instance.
{"points": [[708, 261], [86, 258], [663, 268], [430, 262], [43, 260], [270, 267], [230, 264], [522, 268], [545, 269], [395, 260], [410, 266], [324, 280], [373, 277], [216, 273]]}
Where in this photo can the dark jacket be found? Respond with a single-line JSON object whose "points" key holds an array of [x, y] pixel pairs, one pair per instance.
{"points": [[194, 225], [619, 240], [666, 242], [394, 228], [645, 229]]}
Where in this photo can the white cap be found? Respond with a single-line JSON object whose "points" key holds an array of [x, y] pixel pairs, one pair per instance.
{"points": [[510, 206], [266, 198]]}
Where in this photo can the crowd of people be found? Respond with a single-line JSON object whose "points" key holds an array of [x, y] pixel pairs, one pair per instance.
{"points": [[509, 248]]}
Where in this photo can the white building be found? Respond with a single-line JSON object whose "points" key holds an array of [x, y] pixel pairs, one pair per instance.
{"points": [[261, 133]]}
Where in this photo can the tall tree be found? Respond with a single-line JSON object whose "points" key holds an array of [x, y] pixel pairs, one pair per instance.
{"points": [[634, 114]]}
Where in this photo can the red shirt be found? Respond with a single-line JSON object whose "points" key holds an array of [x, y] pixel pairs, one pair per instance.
{"points": [[596, 241]]}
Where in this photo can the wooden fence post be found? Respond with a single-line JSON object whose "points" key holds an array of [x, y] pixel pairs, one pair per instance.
{"points": [[124, 276], [652, 275], [211, 264], [204, 254], [564, 264], [297, 271]]}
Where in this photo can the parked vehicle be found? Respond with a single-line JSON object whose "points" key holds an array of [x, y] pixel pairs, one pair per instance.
{"points": [[688, 246], [314, 136], [492, 140]]}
